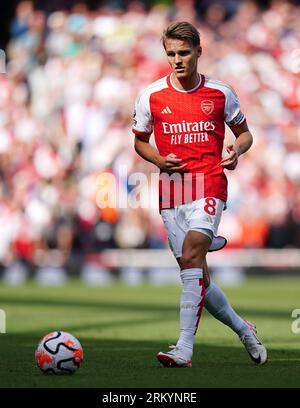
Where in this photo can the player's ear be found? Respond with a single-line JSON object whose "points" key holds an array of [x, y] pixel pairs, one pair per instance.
{"points": [[199, 51]]}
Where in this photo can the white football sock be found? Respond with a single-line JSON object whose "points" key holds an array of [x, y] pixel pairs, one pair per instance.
{"points": [[217, 304], [192, 300]]}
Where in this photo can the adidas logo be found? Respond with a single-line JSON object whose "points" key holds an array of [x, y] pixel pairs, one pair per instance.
{"points": [[166, 110]]}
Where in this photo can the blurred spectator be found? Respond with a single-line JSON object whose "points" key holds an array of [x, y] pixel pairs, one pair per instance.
{"points": [[65, 118]]}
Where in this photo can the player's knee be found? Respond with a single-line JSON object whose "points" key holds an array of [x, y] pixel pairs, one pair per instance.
{"points": [[186, 261], [191, 259]]}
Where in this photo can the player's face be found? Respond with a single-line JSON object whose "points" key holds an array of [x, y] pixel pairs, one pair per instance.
{"points": [[182, 57]]}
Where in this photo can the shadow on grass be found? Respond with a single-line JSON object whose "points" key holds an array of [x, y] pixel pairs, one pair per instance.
{"points": [[125, 306], [125, 364]]}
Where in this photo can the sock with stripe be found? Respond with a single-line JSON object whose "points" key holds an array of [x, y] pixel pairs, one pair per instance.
{"points": [[192, 300]]}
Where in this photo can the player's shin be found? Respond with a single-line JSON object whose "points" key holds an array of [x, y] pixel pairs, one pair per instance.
{"points": [[192, 301]]}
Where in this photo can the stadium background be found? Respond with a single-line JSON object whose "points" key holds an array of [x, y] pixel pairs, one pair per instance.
{"points": [[73, 71]]}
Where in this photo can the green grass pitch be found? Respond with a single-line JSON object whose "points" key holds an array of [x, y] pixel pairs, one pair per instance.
{"points": [[122, 328]]}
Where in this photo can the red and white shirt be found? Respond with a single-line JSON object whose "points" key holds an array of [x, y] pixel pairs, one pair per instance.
{"points": [[190, 124]]}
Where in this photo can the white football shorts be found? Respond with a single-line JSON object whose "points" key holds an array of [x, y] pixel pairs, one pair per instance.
{"points": [[202, 215]]}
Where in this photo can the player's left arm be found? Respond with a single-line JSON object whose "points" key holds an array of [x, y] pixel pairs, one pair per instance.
{"points": [[243, 142]]}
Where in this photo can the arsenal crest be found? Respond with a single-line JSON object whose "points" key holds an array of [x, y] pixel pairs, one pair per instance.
{"points": [[207, 107]]}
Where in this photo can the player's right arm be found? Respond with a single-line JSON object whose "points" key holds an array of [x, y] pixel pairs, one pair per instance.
{"points": [[142, 128], [148, 152]]}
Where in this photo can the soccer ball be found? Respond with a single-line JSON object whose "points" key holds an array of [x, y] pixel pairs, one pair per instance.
{"points": [[59, 353]]}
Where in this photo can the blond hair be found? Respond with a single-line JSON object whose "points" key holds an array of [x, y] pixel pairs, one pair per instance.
{"points": [[184, 31]]}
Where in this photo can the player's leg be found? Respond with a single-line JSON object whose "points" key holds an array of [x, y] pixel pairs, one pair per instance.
{"points": [[199, 220], [217, 304], [176, 235], [206, 277], [194, 249]]}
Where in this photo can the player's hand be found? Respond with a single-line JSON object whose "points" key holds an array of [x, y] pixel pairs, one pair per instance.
{"points": [[231, 161], [171, 163]]}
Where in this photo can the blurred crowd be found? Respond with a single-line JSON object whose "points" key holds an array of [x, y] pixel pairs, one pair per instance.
{"points": [[66, 105]]}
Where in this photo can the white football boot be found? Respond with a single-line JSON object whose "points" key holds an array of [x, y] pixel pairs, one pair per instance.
{"points": [[254, 347], [173, 358]]}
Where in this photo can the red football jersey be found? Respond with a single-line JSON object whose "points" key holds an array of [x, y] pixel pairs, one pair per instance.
{"points": [[190, 124]]}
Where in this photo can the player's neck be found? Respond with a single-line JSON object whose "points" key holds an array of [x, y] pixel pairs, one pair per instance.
{"points": [[185, 84]]}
